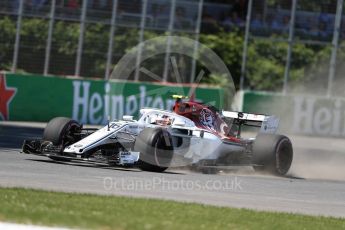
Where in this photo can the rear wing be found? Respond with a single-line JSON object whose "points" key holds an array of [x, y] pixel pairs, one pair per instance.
{"points": [[266, 123]]}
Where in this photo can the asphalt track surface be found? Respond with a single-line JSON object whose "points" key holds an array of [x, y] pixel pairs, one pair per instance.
{"points": [[316, 185]]}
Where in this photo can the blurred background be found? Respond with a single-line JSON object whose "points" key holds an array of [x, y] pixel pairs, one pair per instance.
{"points": [[285, 57], [271, 45]]}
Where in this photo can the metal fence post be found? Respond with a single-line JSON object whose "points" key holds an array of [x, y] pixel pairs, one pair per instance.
{"points": [[168, 48], [290, 41], [81, 38], [335, 44], [196, 42], [245, 44], [17, 42], [111, 40], [141, 38], [49, 39]]}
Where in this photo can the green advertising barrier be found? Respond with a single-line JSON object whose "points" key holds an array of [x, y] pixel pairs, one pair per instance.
{"points": [[300, 114], [39, 98]]}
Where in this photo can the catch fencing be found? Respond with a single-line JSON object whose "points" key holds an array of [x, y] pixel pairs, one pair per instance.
{"points": [[86, 38], [296, 27]]}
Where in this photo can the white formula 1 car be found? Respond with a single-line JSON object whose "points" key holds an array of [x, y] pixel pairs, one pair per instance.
{"points": [[191, 134]]}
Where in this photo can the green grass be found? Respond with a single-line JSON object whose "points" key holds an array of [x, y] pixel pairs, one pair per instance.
{"points": [[113, 212]]}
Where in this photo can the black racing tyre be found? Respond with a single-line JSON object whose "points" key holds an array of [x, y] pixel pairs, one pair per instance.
{"points": [[60, 130], [156, 149], [272, 153]]}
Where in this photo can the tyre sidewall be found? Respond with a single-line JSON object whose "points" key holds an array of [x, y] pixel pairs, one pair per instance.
{"points": [[155, 153], [268, 151], [57, 128]]}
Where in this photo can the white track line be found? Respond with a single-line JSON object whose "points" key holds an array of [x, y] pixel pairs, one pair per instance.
{"points": [[11, 226]]}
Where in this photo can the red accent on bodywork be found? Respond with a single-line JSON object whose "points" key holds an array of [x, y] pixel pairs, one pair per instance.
{"points": [[193, 110]]}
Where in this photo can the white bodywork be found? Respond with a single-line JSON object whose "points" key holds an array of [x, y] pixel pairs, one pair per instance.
{"points": [[269, 124], [202, 144]]}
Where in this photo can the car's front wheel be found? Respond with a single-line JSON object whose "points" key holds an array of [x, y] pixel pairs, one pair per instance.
{"points": [[156, 149], [61, 132]]}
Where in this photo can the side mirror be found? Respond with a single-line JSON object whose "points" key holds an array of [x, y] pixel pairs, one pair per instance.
{"points": [[127, 118], [179, 123]]}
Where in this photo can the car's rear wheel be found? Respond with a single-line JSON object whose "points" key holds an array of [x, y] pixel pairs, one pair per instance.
{"points": [[272, 153], [156, 149]]}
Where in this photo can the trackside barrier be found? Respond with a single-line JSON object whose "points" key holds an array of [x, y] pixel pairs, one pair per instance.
{"points": [[299, 114], [26, 97]]}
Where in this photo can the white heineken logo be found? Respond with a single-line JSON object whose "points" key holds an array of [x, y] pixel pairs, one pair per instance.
{"points": [[310, 117], [94, 108]]}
